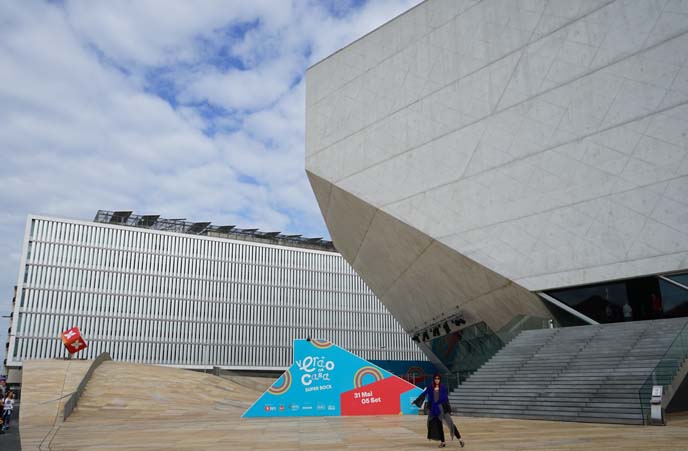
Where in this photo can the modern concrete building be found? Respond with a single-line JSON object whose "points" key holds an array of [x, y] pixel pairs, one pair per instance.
{"points": [[191, 295], [508, 162]]}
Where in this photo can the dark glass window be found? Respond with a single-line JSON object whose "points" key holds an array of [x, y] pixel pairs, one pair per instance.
{"points": [[674, 298], [604, 302], [636, 299], [680, 278]]}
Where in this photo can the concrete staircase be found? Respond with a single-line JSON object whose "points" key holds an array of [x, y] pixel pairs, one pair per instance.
{"points": [[584, 374]]}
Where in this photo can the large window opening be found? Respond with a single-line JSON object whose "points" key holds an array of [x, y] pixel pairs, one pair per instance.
{"points": [[638, 299]]}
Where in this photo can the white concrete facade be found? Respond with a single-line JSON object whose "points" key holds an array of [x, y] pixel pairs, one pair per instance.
{"points": [[545, 141], [189, 301]]}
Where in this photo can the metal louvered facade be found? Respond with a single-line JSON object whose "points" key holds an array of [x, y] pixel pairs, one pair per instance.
{"points": [[189, 301]]}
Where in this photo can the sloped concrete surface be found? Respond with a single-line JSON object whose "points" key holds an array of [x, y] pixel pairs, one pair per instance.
{"points": [[141, 407]]}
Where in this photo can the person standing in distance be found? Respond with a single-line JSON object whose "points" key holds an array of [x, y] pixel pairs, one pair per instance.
{"points": [[7, 407], [439, 411]]}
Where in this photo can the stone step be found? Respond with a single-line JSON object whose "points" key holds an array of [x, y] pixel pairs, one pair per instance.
{"points": [[554, 417], [582, 401], [587, 373]]}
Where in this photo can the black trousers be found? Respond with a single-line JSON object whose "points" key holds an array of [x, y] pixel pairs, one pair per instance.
{"points": [[436, 430]]}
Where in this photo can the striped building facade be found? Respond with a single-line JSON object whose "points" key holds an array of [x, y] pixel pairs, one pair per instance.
{"points": [[192, 301]]}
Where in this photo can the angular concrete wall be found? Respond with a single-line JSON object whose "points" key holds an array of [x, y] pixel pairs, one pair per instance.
{"points": [[420, 280], [542, 141]]}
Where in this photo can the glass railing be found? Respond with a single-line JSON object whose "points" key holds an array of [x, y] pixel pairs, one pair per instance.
{"points": [[479, 344], [457, 378], [665, 371], [520, 323]]}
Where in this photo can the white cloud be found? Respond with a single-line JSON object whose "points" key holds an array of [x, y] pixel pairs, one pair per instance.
{"points": [[160, 32], [244, 89], [161, 107]]}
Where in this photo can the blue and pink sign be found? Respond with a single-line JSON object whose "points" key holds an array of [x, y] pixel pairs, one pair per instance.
{"points": [[326, 380]]}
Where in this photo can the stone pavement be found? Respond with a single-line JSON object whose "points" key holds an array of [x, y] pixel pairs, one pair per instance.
{"points": [[49, 383], [139, 407]]}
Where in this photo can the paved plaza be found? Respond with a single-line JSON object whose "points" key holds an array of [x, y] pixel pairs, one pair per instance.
{"points": [[140, 407], [218, 432]]}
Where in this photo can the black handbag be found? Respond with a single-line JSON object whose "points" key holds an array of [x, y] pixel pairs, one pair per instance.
{"points": [[419, 400]]}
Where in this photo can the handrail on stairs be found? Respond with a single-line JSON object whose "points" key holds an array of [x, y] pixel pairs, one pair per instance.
{"points": [[671, 365]]}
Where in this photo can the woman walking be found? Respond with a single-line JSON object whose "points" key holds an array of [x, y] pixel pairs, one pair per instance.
{"points": [[439, 411]]}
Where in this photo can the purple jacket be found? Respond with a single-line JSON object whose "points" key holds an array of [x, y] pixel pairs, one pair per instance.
{"points": [[429, 395]]}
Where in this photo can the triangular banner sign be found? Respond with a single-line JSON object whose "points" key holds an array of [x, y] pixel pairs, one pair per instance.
{"points": [[326, 380]]}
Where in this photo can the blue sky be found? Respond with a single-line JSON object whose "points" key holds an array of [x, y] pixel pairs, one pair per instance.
{"points": [[184, 109]]}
